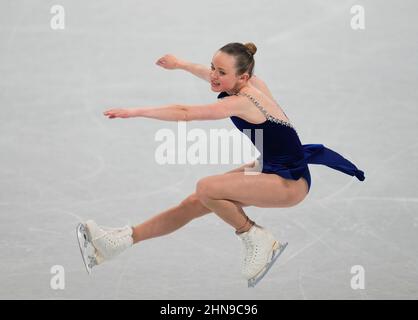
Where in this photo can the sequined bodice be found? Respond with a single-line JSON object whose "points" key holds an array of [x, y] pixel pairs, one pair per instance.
{"points": [[268, 116], [279, 137]]}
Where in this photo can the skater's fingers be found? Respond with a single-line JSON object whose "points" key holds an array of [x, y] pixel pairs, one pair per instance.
{"points": [[110, 114], [110, 111]]}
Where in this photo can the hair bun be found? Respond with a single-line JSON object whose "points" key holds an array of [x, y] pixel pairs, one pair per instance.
{"points": [[251, 47]]}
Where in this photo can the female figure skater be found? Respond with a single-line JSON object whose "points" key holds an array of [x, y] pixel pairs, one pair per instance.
{"points": [[283, 180]]}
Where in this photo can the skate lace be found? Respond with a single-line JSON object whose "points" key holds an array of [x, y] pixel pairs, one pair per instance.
{"points": [[251, 252], [116, 237]]}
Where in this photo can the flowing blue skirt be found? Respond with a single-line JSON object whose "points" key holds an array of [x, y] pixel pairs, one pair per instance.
{"points": [[295, 166]]}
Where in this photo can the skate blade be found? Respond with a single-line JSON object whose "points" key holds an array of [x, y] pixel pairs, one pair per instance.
{"points": [[84, 243], [277, 251]]}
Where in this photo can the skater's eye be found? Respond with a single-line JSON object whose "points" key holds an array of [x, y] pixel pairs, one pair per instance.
{"points": [[221, 72]]}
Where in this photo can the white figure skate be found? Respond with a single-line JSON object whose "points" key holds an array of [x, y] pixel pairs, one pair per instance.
{"points": [[260, 252], [98, 244]]}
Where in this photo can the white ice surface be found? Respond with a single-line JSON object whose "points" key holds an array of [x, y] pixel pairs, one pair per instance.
{"points": [[62, 161]]}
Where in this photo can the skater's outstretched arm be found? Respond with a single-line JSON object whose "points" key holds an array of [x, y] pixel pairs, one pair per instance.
{"points": [[221, 109], [201, 71], [171, 62]]}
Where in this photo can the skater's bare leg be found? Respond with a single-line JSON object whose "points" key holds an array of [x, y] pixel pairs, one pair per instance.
{"points": [[176, 217], [171, 219], [219, 193], [229, 212]]}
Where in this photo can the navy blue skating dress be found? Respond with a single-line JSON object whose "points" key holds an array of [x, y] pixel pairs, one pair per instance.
{"points": [[282, 152]]}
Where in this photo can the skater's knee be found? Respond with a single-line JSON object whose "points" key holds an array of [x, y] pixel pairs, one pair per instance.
{"points": [[204, 189], [194, 205], [191, 200]]}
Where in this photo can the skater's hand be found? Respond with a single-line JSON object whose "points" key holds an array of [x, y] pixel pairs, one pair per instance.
{"points": [[119, 113], [168, 62]]}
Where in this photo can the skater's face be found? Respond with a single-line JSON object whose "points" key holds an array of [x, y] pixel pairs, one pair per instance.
{"points": [[223, 76]]}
